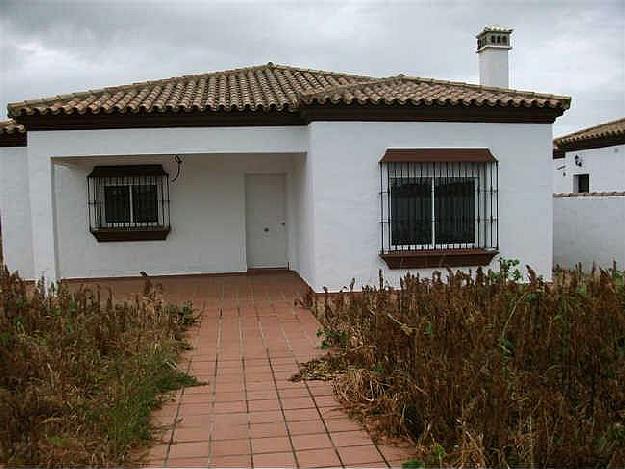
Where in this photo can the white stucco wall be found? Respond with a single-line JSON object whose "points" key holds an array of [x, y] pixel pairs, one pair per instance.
{"points": [[347, 182], [15, 211], [333, 196], [589, 229], [606, 167], [302, 182]]}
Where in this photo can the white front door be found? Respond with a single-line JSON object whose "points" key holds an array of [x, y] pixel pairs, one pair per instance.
{"points": [[265, 220]]}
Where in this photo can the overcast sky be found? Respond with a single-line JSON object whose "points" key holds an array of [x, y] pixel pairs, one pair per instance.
{"points": [[575, 48]]}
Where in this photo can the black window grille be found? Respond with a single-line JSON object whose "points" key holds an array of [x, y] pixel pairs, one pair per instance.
{"points": [[438, 206], [128, 199]]}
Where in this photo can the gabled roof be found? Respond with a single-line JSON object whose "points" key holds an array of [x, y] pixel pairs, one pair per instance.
{"points": [[603, 135], [12, 134], [272, 89]]}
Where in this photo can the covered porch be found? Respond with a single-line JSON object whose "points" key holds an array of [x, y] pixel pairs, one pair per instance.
{"points": [[178, 214], [239, 199]]}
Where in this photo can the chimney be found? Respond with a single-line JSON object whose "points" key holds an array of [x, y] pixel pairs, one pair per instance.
{"points": [[493, 44]]}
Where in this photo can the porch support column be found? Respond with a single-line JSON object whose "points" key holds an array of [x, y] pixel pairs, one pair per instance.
{"points": [[41, 192]]}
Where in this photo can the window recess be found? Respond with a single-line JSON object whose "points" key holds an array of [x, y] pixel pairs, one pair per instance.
{"points": [[439, 207], [129, 203], [581, 183]]}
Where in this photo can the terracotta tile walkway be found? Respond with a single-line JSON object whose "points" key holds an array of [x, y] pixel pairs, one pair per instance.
{"points": [[249, 342]]}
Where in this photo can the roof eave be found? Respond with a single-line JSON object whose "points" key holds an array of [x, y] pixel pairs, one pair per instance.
{"points": [[304, 114], [601, 141], [431, 113]]}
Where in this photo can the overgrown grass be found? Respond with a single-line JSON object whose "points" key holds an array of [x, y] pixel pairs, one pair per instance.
{"points": [[79, 375], [483, 369]]}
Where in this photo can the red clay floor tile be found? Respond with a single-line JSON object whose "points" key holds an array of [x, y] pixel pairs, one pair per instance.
{"points": [[354, 455], [187, 462], [243, 460], [197, 449], [230, 447], [268, 429], [351, 438], [325, 457], [270, 445], [284, 459], [306, 427], [313, 441]]}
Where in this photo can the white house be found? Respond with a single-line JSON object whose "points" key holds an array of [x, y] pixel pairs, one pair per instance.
{"points": [[332, 175], [590, 160], [589, 200]]}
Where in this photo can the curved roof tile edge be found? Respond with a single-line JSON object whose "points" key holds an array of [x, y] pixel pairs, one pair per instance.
{"points": [[590, 134]]}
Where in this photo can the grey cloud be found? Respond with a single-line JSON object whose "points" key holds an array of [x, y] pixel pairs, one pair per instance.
{"points": [[564, 47]]}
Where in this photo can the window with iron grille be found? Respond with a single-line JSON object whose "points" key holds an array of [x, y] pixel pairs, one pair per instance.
{"points": [[128, 203], [433, 205]]}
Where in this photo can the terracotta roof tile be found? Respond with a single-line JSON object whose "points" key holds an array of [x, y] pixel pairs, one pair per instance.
{"points": [[426, 92], [12, 134], [11, 127], [277, 87], [607, 134]]}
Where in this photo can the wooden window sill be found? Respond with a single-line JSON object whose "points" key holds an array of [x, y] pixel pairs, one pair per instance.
{"points": [[104, 235], [430, 258]]}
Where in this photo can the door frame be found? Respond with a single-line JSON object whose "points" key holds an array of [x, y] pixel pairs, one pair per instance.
{"points": [[285, 175]]}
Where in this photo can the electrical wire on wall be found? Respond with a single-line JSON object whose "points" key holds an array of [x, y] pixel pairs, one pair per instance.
{"points": [[178, 160]]}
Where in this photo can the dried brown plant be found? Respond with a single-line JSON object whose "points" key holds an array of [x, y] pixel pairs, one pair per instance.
{"points": [[484, 370], [79, 374]]}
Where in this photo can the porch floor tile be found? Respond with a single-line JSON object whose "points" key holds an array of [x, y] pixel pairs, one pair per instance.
{"points": [[249, 341]]}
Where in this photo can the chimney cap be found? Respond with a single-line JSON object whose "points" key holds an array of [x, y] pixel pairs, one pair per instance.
{"points": [[494, 28], [494, 36]]}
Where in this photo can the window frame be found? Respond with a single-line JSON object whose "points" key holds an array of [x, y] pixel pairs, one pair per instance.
{"points": [[440, 165], [129, 177]]}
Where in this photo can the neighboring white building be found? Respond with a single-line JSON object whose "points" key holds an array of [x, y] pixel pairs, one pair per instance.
{"points": [[334, 176], [590, 160], [589, 199]]}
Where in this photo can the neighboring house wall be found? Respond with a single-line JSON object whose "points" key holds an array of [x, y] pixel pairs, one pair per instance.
{"points": [[347, 183], [606, 167], [589, 229], [15, 211]]}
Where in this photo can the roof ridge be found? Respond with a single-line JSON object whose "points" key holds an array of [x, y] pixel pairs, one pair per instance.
{"points": [[587, 129], [413, 78], [372, 81], [486, 88], [315, 70]]}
